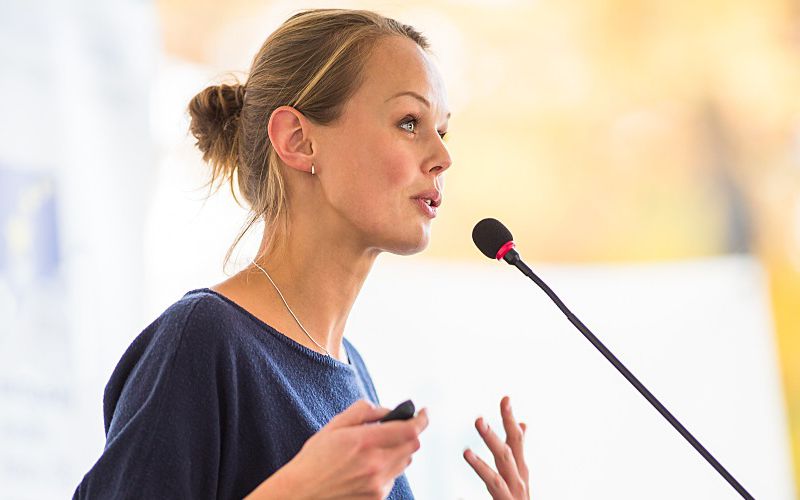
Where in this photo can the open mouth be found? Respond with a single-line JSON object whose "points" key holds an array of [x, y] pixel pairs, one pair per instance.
{"points": [[427, 206]]}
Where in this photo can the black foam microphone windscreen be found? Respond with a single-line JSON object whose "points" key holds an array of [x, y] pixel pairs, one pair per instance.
{"points": [[490, 235]]}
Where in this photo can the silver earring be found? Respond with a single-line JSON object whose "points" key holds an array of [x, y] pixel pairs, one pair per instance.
{"points": [[312, 169]]}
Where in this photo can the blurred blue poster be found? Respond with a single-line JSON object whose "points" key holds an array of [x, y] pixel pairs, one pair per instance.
{"points": [[75, 166], [29, 252], [34, 372]]}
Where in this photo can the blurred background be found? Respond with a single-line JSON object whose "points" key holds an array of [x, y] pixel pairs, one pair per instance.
{"points": [[646, 155]]}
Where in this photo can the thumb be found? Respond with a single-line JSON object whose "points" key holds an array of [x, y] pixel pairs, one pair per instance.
{"points": [[357, 413]]}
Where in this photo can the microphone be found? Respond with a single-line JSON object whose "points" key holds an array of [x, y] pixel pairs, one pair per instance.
{"points": [[494, 240]]}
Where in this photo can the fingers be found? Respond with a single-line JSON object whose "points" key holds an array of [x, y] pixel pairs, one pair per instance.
{"points": [[399, 432], [503, 455], [514, 436], [493, 481], [511, 478], [398, 439]]}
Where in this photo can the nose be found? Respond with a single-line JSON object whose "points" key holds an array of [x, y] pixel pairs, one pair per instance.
{"points": [[440, 159]]}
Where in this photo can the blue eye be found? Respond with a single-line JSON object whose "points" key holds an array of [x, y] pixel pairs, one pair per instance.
{"points": [[411, 121]]}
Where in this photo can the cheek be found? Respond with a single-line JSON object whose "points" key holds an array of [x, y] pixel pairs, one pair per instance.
{"points": [[383, 175], [396, 174], [374, 181]]}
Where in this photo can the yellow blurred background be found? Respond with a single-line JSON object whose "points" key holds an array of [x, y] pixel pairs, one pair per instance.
{"points": [[615, 130]]}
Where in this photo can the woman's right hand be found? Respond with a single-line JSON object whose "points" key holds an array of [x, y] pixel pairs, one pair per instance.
{"points": [[353, 456]]}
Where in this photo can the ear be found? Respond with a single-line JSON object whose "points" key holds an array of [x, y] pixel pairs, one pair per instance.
{"points": [[289, 132]]}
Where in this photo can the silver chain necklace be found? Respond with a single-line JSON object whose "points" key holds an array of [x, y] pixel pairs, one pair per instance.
{"points": [[290, 309]]}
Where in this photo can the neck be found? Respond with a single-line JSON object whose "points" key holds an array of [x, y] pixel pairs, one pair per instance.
{"points": [[319, 277]]}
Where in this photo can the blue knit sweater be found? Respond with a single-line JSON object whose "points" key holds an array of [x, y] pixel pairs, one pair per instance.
{"points": [[208, 401]]}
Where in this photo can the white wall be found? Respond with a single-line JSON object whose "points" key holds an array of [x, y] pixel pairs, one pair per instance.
{"points": [[456, 337]]}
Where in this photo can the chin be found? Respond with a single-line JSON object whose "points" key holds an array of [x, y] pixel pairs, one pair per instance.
{"points": [[412, 245]]}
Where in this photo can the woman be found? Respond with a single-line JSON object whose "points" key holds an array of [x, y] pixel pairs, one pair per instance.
{"points": [[249, 388]]}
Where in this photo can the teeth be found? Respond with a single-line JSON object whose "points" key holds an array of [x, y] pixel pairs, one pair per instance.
{"points": [[429, 202]]}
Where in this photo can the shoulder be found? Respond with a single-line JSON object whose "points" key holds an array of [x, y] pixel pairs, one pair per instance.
{"points": [[193, 329], [199, 317], [200, 306], [189, 345]]}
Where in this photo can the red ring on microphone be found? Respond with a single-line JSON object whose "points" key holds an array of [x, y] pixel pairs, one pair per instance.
{"points": [[505, 249]]}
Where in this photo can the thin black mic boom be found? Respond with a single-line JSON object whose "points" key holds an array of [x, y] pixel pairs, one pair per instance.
{"points": [[494, 240]]}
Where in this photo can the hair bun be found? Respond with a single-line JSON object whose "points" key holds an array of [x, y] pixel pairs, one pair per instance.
{"points": [[215, 124]]}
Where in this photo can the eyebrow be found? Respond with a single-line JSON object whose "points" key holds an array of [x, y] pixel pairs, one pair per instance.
{"points": [[416, 96]]}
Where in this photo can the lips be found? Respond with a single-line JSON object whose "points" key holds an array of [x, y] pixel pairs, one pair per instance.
{"points": [[428, 201], [428, 210], [432, 197]]}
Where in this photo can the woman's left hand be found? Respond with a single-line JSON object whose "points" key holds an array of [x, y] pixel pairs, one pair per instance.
{"points": [[510, 482]]}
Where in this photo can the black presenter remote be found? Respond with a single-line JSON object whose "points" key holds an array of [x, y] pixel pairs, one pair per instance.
{"points": [[404, 411]]}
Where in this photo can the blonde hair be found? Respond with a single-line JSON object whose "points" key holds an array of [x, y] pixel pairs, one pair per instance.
{"points": [[314, 62]]}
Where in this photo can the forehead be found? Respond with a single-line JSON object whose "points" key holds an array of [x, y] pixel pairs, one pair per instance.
{"points": [[397, 64]]}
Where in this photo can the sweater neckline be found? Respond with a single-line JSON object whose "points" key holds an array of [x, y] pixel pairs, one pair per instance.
{"points": [[319, 357]]}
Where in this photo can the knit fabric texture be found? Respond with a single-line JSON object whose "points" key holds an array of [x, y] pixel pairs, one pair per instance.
{"points": [[208, 401]]}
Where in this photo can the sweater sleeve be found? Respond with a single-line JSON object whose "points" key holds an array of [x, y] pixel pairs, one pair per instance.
{"points": [[163, 416]]}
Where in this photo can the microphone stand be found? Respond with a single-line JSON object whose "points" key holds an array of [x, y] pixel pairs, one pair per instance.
{"points": [[513, 258]]}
